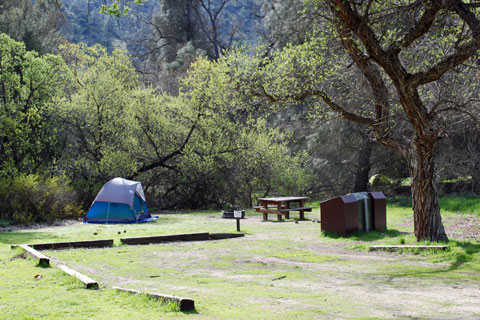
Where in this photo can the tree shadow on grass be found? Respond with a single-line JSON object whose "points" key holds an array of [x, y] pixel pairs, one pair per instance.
{"points": [[280, 221], [163, 218], [16, 237], [466, 254], [189, 312], [458, 254], [283, 220], [367, 236]]}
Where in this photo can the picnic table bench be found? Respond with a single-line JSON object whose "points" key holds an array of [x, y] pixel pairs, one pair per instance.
{"points": [[281, 206]]}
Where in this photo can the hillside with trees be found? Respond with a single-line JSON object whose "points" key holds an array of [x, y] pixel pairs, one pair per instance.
{"points": [[215, 103]]}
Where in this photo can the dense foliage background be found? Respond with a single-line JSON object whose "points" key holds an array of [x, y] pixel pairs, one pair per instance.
{"points": [[167, 95]]}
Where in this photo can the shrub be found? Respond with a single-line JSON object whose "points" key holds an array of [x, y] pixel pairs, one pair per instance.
{"points": [[380, 182], [27, 199]]}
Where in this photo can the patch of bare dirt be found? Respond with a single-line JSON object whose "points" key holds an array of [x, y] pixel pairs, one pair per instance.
{"points": [[463, 227], [19, 256], [60, 223]]}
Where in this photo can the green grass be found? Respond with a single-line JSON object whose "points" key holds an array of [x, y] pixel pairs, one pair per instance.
{"points": [[278, 271], [56, 295], [304, 256], [448, 204], [465, 204]]}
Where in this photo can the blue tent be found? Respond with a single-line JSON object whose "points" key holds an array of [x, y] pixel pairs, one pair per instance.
{"points": [[119, 201]]}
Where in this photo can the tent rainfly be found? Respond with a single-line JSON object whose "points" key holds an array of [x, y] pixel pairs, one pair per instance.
{"points": [[119, 201]]}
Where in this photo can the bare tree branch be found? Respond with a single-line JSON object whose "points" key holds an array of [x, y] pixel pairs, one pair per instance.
{"points": [[460, 55], [420, 28]]}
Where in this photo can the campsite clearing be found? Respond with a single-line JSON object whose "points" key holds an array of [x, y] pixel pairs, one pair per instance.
{"points": [[278, 270]]}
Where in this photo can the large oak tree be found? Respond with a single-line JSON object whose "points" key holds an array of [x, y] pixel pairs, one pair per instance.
{"points": [[413, 60], [404, 68], [379, 38]]}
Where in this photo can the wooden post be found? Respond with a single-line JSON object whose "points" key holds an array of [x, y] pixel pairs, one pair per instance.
{"points": [[302, 215], [44, 261], [89, 283], [287, 214], [185, 304], [264, 204]]}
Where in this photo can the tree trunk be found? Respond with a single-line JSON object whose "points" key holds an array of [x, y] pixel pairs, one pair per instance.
{"points": [[363, 166], [427, 218]]}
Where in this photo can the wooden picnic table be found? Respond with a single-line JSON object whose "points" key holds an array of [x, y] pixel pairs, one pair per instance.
{"points": [[282, 206]]}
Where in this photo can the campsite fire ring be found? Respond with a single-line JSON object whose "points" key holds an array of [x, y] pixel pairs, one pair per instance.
{"points": [[228, 214]]}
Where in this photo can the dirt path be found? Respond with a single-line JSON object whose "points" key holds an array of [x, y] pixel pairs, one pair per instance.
{"points": [[287, 270], [391, 285]]}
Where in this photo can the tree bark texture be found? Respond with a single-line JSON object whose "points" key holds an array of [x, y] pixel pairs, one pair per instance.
{"points": [[427, 219], [377, 62], [363, 165]]}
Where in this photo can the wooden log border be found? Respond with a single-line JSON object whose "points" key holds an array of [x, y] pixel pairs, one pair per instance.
{"points": [[168, 238], [185, 304], [43, 260], [88, 282], [180, 237], [73, 244], [221, 236], [395, 248], [134, 240]]}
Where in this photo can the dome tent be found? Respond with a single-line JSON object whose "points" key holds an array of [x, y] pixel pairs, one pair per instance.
{"points": [[119, 201]]}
